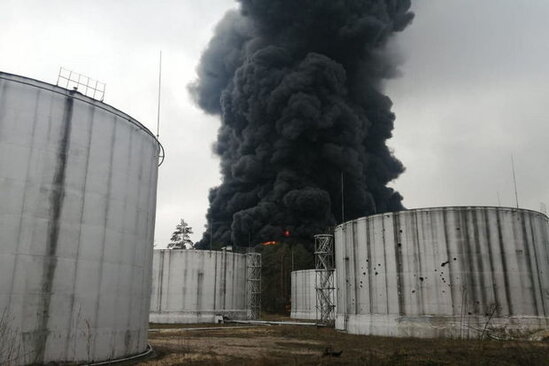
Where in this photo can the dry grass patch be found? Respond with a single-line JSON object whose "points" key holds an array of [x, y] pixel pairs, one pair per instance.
{"points": [[294, 345]]}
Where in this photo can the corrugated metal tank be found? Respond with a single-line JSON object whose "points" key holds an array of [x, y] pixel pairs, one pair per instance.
{"points": [[77, 209], [193, 286], [303, 294], [455, 271]]}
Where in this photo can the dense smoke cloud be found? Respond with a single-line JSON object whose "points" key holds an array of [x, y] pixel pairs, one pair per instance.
{"points": [[297, 84]]}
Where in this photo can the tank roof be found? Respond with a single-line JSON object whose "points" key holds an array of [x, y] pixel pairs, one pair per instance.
{"points": [[448, 208], [77, 95]]}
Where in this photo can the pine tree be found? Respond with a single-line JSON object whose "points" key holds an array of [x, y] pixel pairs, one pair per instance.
{"points": [[180, 238]]}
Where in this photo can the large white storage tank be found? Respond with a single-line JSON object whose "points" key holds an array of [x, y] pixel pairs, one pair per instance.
{"points": [[455, 271], [77, 210], [193, 286]]}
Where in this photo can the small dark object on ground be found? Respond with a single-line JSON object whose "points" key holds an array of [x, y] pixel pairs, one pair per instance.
{"points": [[328, 351]]}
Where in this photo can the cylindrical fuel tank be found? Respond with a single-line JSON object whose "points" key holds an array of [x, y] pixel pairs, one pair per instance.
{"points": [[193, 286], [77, 210], [451, 271]]}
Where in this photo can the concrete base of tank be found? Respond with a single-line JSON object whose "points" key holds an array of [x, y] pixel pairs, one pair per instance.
{"points": [[195, 317], [523, 327], [308, 315]]}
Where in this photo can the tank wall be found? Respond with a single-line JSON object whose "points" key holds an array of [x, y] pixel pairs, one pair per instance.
{"points": [[444, 272], [303, 295], [192, 286], [77, 197]]}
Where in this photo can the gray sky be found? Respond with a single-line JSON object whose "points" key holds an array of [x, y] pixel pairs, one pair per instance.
{"points": [[474, 89]]}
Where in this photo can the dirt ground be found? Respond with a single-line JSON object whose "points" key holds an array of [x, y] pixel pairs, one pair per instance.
{"points": [[298, 345]]}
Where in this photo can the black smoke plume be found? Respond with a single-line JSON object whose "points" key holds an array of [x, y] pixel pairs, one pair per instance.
{"points": [[297, 84]]}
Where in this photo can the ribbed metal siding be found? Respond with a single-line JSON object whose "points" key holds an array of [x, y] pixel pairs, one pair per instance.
{"points": [[192, 286], [442, 271], [77, 210], [303, 294]]}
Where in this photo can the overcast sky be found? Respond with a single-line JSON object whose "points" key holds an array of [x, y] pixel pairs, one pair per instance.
{"points": [[474, 90]]}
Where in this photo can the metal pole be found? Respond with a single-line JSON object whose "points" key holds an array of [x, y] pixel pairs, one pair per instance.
{"points": [[211, 234], [342, 199], [159, 94], [59, 76], [292, 251], [514, 180]]}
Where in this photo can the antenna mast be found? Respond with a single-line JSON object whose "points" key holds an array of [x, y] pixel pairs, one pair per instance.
{"points": [[159, 94], [514, 180], [342, 199]]}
